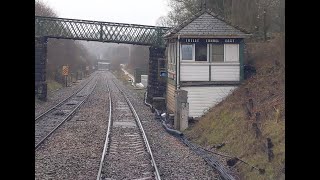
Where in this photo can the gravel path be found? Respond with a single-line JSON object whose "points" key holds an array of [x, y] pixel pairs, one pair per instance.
{"points": [[56, 96], [74, 150], [173, 158]]}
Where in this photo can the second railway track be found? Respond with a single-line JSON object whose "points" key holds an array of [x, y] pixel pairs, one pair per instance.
{"points": [[127, 154], [61, 102], [49, 121]]}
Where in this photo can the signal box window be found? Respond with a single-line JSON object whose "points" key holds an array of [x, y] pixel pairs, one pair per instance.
{"points": [[187, 51], [217, 52], [201, 52]]}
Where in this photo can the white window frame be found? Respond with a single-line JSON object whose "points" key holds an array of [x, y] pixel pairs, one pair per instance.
{"points": [[173, 54], [225, 55], [171, 49], [174, 47], [169, 57], [193, 53]]}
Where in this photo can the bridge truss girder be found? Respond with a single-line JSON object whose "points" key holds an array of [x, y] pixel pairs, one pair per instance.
{"points": [[99, 31]]}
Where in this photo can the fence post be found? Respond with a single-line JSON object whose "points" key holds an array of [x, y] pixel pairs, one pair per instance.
{"points": [[182, 110]]}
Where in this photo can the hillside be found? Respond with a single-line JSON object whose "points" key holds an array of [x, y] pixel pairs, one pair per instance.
{"points": [[250, 123]]}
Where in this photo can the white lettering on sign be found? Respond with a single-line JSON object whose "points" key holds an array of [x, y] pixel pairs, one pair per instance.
{"points": [[192, 40], [212, 40], [229, 40]]}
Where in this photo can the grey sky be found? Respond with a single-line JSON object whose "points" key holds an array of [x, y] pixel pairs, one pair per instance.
{"points": [[123, 11]]}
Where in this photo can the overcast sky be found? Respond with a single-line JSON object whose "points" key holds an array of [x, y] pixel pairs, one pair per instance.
{"points": [[144, 12]]}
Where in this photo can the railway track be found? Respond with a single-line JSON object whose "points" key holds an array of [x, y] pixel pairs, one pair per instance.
{"points": [[126, 154], [63, 101], [48, 122]]}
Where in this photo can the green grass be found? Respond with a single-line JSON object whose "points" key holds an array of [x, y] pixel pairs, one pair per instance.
{"points": [[228, 123], [53, 85], [230, 127]]}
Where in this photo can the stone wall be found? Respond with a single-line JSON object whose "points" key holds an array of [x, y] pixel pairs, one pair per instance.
{"points": [[156, 84], [40, 67]]}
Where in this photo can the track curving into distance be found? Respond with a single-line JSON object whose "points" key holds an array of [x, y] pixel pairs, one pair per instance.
{"points": [[126, 154]]}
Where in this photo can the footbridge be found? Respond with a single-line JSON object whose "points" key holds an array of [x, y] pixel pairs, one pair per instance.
{"points": [[76, 29]]}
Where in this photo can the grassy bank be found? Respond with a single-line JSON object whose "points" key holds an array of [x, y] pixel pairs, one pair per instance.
{"points": [[251, 115]]}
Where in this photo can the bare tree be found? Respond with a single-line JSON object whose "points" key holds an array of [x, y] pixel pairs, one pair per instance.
{"points": [[41, 9], [257, 16], [164, 21], [62, 52]]}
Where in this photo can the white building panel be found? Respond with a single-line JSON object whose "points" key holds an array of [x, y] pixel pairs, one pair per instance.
{"points": [[194, 72], [201, 99], [231, 52], [144, 80], [225, 73]]}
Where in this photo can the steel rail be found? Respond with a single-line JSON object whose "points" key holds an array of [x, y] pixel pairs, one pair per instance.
{"points": [[66, 118], [157, 175], [61, 102], [107, 136]]}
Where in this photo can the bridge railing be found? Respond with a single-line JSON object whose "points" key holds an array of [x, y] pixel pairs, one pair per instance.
{"points": [[99, 31]]}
